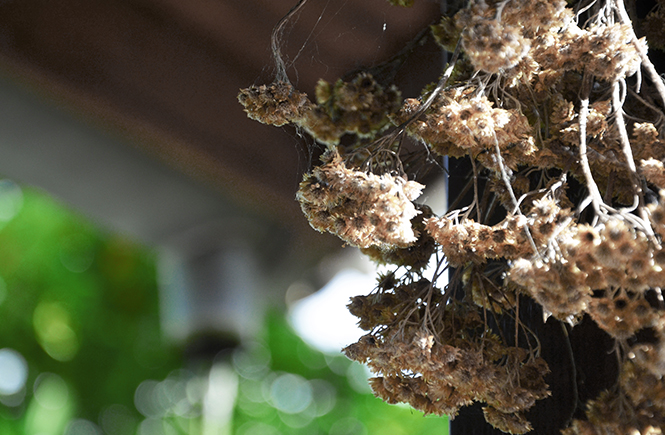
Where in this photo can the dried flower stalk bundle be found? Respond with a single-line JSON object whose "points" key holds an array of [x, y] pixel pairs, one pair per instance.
{"points": [[560, 112]]}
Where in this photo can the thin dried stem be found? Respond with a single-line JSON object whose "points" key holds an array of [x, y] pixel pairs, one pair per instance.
{"points": [[509, 187], [476, 199], [656, 110], [275, 40], [440, 86], [628, 155], [641, 50], [594, 192]]}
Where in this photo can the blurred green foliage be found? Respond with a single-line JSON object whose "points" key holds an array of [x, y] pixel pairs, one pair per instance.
{"points": [[341, 404], [81, 304], [81, 308]]}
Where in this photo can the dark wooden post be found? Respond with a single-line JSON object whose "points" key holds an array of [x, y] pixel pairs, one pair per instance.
{"points": [[580, 359]]}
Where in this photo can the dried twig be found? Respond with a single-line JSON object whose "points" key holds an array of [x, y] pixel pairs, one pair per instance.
{"points": [[596, 198]]}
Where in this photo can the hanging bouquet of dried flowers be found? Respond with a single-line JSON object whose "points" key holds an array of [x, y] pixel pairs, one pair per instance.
{"points": [[561, 114]]}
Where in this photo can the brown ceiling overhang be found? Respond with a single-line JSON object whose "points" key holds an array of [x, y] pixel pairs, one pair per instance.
{"points": [[165, 74]]}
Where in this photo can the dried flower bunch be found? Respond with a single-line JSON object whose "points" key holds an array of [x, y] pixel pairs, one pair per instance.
{"points": [[439, 355], [360, 107], [560, 114], [461, 123], [277, 104], [362, 209]]}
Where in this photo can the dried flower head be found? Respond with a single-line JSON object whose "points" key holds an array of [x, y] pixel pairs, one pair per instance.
{"points": [[415, 256], [276, 104], [621, 313], [363, 209], [493, 46], [360, 106], [515, 423], [609, 52], [460, 124]]}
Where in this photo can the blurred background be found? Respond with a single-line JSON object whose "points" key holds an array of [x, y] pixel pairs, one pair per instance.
{"points": [[156, 274]]}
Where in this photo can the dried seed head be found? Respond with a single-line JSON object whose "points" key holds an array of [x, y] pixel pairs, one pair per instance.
{"points": [[362, 209], [276, 104], [514, 423]]}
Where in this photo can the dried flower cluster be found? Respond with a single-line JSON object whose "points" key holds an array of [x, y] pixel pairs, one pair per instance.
{"points": [[277, 104], [362, 209], [559, 113], [465, 362], [462, 123], [416, 255], [640, 407], [583, 259], [468, 241], [523, 38], [360, 107]]}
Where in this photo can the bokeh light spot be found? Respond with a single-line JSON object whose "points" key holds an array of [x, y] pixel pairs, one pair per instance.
{"points": [[179, 394], [13, 372], [80, 426], [252, 361], [51, 407], [257, 428], [298, 420], [196, 389], [325, 396], [51, 391], [168, 392], [154, 426], [11, 200], [323, 320], [357, 375], [338, 364], [348, 426], [144, 399], [186, 391], [52, 324], [291, 393]]}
